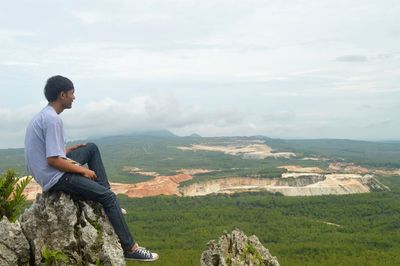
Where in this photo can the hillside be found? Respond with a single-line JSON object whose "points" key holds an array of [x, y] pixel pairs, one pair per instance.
{"points": [[141, 165]]}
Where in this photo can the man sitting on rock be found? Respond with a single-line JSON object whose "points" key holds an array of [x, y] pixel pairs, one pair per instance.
{"points": [[57, 168]]}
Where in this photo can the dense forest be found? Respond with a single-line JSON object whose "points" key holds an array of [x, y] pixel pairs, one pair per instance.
{"points": [[361, 229]]}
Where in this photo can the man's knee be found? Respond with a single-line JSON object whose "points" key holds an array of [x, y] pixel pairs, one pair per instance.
{"points": [[108, 198], [92, 146]]}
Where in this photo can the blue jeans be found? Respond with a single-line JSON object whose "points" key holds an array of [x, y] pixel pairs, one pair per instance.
{"points": [[97, 190]]}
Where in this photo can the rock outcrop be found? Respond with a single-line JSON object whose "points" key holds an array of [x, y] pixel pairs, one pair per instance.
{"points": [[14, 247], [236, 249], [70, 231]]}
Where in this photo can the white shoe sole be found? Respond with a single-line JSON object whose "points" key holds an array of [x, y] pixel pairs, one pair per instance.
{"points": [[155, 257]]}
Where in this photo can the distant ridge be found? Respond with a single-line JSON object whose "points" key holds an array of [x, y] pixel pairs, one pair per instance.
{"points": [[157, 133], [195, 135]]}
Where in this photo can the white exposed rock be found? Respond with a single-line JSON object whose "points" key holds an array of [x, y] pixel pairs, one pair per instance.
{"points": [[14, 247], [78, 229], [236, 249], [301, 185], [249, 151]]}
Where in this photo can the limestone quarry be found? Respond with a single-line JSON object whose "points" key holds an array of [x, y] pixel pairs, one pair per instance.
{"points": [[298, 181], [309, 185], [248, 151], [333, 178]]}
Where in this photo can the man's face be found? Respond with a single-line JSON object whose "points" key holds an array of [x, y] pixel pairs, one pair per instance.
{"points": [[67, 98]]}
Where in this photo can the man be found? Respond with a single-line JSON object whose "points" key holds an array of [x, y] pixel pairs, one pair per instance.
{"points": [[57, 168]]}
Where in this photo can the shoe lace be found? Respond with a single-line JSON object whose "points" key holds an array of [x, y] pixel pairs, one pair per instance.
{"points": [[144, 252]]}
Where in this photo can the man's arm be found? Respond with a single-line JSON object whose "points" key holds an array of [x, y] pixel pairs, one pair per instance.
{"points": [[66, 166]]}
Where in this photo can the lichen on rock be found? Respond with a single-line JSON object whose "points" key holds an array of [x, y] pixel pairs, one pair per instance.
{"points": [[14, 247], [236, 249]]}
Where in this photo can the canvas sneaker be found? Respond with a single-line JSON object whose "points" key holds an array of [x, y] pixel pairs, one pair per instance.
{"points": [[141, 254]]}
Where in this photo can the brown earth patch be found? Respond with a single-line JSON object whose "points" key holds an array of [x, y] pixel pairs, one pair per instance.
{"points": [[347, 168], [160, 185]]}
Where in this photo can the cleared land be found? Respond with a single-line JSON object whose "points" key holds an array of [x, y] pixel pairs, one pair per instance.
{"points": [[250, 151], [291, 184], [185, 167]]}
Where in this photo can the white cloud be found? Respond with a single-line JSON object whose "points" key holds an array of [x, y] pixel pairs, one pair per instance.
{"points": [[87, 16], [91, 17], [9, 34], [144, 113], [21, 64], [279, 116], [351, 58], [212, 67]]}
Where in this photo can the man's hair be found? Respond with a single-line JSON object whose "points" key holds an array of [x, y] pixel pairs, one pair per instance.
{"points": [[55, 85]]}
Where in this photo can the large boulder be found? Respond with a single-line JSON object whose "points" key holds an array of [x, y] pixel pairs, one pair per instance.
{"points": [[70, 231], [236, 249], [14, 247]]}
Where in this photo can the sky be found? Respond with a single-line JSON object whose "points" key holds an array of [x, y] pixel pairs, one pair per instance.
{"points": [[283, 69]]}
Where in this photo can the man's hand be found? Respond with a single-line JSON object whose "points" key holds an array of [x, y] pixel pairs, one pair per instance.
{"points": [[68, 167], [89, 174], [72, 148]]}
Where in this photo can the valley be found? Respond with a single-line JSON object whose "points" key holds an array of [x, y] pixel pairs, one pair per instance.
{"points": [[143, 166], [332, 202]]}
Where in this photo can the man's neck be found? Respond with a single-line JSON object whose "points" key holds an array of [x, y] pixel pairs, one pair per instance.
{"points": [[57, 107]]}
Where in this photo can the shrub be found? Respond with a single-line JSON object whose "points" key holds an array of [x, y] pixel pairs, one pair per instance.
{"points": [[11, 198], [53, 257]]}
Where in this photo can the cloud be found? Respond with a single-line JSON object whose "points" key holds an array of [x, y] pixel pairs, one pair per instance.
{"points": [[230, 67], [351, 58], [91, 17], [13, 123], [87, 16], [279, 116], [380, 123], [21, 64], [364, 107], [9, 34], [141, 113], [146, 113], [228, 117], [387, 121], [105, 117]]}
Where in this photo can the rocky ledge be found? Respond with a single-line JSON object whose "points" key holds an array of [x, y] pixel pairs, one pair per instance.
{"points": [[59, 230], [14, 248], [236, 249]]}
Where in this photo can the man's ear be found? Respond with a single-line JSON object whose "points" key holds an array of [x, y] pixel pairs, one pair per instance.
{"points": [[61, 95]]}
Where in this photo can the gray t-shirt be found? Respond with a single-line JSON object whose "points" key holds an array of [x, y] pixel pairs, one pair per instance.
{"points": [[44, 138]]}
